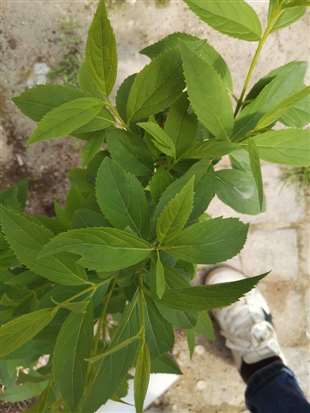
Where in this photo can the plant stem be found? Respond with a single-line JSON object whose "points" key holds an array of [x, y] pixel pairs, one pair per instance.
{"points": [[102, 320], [251, 70], [142, 310], [256, 56], [92, 288], [114, 112]]}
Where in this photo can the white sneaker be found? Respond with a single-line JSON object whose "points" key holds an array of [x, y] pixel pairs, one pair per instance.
{"points": [[246, 324]]}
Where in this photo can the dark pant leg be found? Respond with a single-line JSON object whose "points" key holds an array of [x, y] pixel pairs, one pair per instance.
{"points": [[274, 389]]}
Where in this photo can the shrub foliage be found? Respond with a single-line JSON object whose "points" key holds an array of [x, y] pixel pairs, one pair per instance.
{"points": [[100, 286]]}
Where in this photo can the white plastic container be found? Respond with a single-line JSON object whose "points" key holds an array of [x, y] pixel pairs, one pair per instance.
{"points": [[159, 383]]}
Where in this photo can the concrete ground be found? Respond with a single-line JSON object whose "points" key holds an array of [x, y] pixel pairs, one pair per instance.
{"points": [[279, 238]]}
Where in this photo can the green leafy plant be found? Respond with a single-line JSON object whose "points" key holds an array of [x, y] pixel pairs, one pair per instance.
{"points": [[297, 176], [100, 286], [67, 67]]}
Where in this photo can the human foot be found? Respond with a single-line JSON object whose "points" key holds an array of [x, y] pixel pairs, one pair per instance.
{"points": [[247, 326]]}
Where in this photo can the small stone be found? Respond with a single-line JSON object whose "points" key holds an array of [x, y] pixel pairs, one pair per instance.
{"points": [[20, 160], [38, 75], [200, 350], [12, 43], [201, 385]]}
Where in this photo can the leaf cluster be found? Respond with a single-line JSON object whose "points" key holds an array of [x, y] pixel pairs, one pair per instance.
{"points": [[101, 286]]}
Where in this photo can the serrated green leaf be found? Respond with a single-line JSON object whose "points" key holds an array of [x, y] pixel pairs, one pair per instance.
{"points": [[177, 212], [181, 126], [116, 365], [89, 81], [91, 148], [256, 171], [142, 377], [160, 277], [121, 197], [293, 3], [22, 279], [191, 341], [122, 96], [8, 372], [281, 16], [159, 333], [207, 53], [26, 238], [39, 100], [159, 182], [234, 18], [280, 110], [204, 193], [198, 170], [211, 149], [101, 54], [299, 115], [102, 121], [215, 240], [114, 349], [107, 249], [66, 118], [77, 307], [165, 364], [240, 159], [289, 147], [127, 151], [20, 393], [15, 197], [204, 326], [207, 94], [160, 138], [80, 196], [178, 318], [73, 346], [84, 218], [202, 48], [156, 87], [171, 41], [210, 296], [94, 164], [297, 66], [237, 189], [22, 329], [283, 85]]}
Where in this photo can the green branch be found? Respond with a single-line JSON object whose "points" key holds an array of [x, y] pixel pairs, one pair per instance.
{"points": [[254, 61]]}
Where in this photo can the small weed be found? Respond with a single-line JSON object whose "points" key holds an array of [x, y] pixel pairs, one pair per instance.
{"points": [[70, 41], [298, 176], [162, 3]]}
